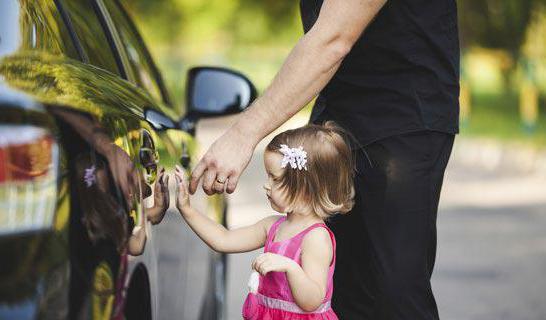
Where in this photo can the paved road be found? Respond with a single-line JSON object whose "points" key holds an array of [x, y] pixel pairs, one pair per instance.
{"points": [[492, 240]]}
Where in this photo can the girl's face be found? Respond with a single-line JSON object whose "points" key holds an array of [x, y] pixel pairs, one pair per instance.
{"points": [[275, 195]]}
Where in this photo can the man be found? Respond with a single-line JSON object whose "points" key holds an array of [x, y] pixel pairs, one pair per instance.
{"points": [[387, 71]]}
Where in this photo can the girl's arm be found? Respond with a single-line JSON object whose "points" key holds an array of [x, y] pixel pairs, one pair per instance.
{"points": [[137, 239], [215, 235], [308, 282]]}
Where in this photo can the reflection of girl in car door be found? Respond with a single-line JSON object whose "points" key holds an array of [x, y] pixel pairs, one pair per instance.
{"points": [[111, 232], [103, 216], [109, 225]]}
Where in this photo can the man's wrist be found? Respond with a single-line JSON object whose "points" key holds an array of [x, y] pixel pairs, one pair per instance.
{"points": [[244, 134], [248, 126]]}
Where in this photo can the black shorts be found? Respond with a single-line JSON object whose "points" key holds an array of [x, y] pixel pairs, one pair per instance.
{"points": [[386, 245]]}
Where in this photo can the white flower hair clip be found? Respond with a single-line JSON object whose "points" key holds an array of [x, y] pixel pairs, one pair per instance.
{"points": [[297, 157], [89, 176]]}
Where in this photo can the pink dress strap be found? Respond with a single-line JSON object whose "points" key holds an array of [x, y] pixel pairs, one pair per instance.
{"points": [[272, 232], [302, 235]]}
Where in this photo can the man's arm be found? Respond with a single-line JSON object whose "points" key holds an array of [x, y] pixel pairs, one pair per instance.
{"points": [[307, 69]]}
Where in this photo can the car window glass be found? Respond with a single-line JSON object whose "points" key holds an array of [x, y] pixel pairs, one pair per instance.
{"points": [[33, 25], [139, 58], [91, 35]]}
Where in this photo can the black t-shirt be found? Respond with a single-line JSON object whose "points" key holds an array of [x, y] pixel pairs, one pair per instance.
{"points": [[401, 75]]}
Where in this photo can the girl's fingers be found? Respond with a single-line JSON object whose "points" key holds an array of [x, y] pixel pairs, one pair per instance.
{"points": [[179, 173], [258, 264], [179, 177], [165, 184], [265, 268], [160, 178], [178, 169], [260, 258]]}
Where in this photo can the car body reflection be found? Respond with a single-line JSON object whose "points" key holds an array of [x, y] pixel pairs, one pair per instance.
{"points": [[87, 132]]}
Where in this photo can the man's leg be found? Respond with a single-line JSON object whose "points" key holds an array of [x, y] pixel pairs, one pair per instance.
{"points": [[437, 178], [387, 243]]}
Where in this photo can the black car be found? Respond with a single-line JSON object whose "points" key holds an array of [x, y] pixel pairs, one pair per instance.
{"points": [[86, 128]]}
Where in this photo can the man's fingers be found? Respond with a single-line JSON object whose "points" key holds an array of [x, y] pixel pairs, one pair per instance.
{"points": [[208, 180], [219, 187], [232, 183], [196, 175]]}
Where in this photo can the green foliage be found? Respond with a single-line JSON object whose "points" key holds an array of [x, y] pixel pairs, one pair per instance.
{"points": [[495, 24], [234, 21], [495, 116]]}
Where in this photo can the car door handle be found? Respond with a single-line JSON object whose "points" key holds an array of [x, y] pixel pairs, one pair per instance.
{"points": [[147, 157]]}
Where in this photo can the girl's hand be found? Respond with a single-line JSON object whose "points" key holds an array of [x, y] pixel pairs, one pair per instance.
{"points": [[161, 191], [182, 194], [161, 199], [267, 262]]}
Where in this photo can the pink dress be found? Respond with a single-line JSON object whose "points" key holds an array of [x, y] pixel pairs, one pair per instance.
{"points": [[274, 299]]}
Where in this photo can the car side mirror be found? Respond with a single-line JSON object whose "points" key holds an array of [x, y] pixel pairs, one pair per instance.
{"points": [[213, 92]]}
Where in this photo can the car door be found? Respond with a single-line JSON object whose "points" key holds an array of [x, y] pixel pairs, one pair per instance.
{"points": [[140, 132], [78, 85], [186, 271], [96, 109]]}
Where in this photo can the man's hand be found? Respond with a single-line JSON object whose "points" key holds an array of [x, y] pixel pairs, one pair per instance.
{"points": [[223, 163]]}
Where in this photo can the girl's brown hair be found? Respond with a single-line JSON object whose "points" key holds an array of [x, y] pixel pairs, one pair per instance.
{"points": [[103, 216], [326, 187]]}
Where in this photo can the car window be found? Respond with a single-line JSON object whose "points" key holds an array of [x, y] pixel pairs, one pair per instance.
{"points": [[141, 64], [33, 25], [90, 33]]}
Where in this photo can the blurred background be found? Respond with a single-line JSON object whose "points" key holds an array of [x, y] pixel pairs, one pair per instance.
{"points": [[492, 220], [502, 42]]}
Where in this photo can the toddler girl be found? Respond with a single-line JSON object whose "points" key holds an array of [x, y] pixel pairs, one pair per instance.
{"points": [[310, 178]]}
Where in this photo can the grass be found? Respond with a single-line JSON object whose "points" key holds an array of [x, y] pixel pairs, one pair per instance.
{"points": [[497, 116]]}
